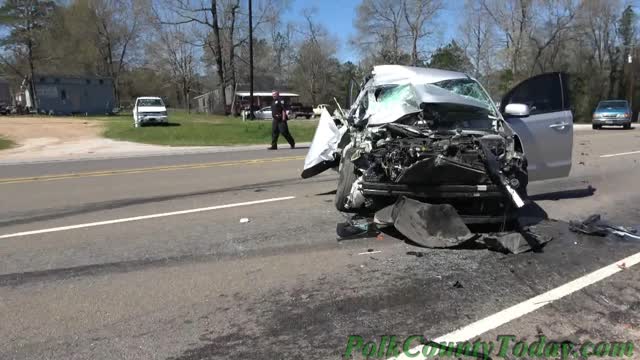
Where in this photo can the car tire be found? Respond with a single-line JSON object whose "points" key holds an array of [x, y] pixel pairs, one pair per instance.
{"points": [[345, 181], [308, 117], [595, 127], [626, 126]]}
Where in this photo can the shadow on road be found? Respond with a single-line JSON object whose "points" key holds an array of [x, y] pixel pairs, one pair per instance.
{"points": [[564, 194]]}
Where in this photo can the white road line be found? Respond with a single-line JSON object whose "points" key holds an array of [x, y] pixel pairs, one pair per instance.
{"points": [[507, 315], [369, 252], [145, 217], [620, 154]]}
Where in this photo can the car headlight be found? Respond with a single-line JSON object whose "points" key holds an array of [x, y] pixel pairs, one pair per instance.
{"points": [[163, 113], [623, 115]]}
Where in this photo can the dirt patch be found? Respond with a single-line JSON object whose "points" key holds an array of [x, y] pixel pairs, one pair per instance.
{"points": [[56, 130], [47, 138]]}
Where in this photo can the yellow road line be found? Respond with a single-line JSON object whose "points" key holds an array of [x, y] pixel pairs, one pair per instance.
{"points": [[145, 170]]}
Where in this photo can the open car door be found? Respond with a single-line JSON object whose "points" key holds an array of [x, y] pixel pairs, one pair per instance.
{"points": [[323, 152], [546, 132]]}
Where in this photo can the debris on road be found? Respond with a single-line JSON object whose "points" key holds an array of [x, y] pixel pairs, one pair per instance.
{"points": [[369, 252], [439, 226], [356, 227], [458, 285], [244, 220], [594, 225]]}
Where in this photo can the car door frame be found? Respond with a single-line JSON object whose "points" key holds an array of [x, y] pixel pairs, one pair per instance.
{"points": [[546, 136]]}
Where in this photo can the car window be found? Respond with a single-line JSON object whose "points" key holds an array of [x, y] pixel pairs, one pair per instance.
{"points": [[150, 102], [265, 109], [616, 104], [542, 93]]}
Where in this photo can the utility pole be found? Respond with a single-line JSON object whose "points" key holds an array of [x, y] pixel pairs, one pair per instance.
{"points": [[631, 79], [251, 114]]}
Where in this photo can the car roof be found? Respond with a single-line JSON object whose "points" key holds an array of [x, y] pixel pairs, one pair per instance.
{"points": [[393, 74], [149, 98]]}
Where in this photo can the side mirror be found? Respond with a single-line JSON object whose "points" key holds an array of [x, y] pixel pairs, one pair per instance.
{"points": [[519, 110]]}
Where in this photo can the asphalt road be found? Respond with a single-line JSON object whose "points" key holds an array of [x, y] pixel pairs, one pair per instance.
{"points": [[160, 266]]}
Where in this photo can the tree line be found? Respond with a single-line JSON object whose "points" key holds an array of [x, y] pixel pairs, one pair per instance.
{"points": [[182, 48]]}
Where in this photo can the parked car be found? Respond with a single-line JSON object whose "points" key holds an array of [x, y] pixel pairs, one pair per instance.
{"points": [[297, 110], [612, 113], [149, 110], [318, 109], [437, 136], [264, 113]]}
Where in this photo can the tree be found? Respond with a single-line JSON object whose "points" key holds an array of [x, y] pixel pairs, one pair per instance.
{"points": [[478, 38], [514, 19], [316, 66], [418, 14], [451, 57], [380, 30], [24, 20], [173, 54], [118, 24]]}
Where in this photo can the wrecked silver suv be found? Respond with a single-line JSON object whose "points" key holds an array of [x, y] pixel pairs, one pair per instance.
{"points": [[436, 136]]}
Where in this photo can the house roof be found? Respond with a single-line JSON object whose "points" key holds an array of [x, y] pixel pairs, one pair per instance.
{"points": [[265, 93], [255, 93]]}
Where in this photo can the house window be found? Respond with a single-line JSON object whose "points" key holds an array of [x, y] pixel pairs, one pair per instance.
{"points": [[63, 95]]}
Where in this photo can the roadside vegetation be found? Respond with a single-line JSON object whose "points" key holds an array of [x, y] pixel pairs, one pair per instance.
{"points": [[5, 143], [201, 130]]}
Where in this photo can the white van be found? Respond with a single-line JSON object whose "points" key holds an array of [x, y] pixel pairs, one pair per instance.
{"points": [[149, 110]]}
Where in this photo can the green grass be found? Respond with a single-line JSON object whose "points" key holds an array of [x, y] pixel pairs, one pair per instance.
{"points": [[202, 129], [5, 143]]}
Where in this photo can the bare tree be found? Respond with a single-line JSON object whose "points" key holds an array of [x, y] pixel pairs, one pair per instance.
{"points": [[380, 26], [314, 61], [478, 37], [418, 14], [514, 19], [555, 19], [118, 24]]}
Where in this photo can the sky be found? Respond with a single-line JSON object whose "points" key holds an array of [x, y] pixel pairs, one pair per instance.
{"points": [[338, 15]]}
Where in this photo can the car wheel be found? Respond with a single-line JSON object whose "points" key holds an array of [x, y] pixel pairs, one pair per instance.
{"points": [[626, 126], [345, 182], [308, 116], [595, 127]]}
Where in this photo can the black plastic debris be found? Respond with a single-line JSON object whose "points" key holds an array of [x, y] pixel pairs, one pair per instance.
{"points": [[458, 285], [435, 226], [355, 228], [515, 242]]}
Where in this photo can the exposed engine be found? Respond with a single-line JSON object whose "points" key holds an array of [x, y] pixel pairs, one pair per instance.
{"points": [[417, 157]]}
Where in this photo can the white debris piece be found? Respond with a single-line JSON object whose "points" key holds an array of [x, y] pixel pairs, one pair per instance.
{"points": [[244, 220]]}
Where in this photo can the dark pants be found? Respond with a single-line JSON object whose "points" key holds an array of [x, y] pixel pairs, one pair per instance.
{"points": [[280, 127]]}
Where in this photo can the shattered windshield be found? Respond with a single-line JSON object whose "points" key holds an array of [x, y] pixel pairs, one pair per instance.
{"points": [[450, 104], [468, 88]]}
